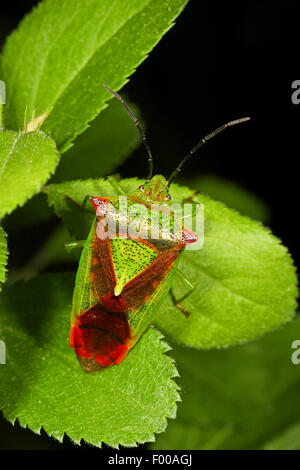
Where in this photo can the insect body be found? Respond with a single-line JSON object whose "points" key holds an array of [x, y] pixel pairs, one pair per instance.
{"points": [[127, 267], [122, 277]]}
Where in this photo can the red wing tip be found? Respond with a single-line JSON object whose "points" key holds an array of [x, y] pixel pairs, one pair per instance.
{"points": [[189, 237], [91, 361]]}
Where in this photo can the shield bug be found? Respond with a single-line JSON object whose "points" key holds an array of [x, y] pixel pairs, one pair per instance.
{"points": [[127, 265]]}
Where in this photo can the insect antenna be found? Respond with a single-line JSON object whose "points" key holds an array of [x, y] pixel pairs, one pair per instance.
{"points": [[140, 129], [202, 142]]}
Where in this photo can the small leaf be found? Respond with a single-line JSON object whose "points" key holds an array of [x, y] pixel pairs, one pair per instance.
{"points": [[43, 385], [102, 147], [233, 195], [3, 255], [87, 44], [244, 279], [245, 397], [26, 162]]}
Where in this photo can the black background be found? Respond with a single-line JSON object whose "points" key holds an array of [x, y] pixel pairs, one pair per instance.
{"points": [[219, 62]]}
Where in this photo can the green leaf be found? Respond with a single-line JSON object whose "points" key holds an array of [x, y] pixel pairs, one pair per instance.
{"points": [[244, 279], [26, 162], [65, 50], [289, 439], [3, 255], [43, 385], [233, 195], [2, 100], [102, 147], [245, 397]]}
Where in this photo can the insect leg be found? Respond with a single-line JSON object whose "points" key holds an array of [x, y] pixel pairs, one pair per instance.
{"points": [[116, 185], [86, 199], [80, 206], [177, 303], [74, 244], [194, 211], [191, 197]]}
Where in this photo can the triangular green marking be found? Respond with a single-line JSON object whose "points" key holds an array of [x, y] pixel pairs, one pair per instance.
{"points": [[129, 257]]}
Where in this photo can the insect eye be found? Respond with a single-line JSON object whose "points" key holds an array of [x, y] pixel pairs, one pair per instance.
{"points": [[141, 188], [168, 197]]}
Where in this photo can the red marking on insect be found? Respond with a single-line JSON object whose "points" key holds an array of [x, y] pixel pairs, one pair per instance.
{"points": [[102, 332], [100, 203], [189, 237]]}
